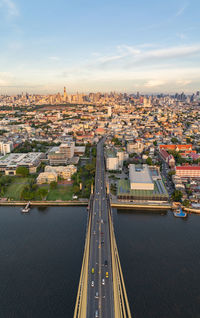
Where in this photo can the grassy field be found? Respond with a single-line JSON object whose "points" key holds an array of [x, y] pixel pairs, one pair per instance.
{"points": [[14, 189], [61, 193]]}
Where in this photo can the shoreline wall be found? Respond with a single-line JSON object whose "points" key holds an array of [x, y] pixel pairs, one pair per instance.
{"points": [[44, 203]]}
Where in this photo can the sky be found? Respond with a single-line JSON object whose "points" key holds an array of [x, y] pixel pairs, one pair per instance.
{"points": [[149, 46]]}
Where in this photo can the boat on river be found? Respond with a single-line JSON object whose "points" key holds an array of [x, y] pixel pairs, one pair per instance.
{"points": [[179, 213], [26, 209]]}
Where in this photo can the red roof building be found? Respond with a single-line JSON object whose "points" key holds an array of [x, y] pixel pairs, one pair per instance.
{"points": [[169, 159], [100, 131], [176, 147], [188, 171]]}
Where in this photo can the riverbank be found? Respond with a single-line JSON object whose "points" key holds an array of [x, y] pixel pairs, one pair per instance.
{"points": [[140, 206], [197, 211], [44, 203]]}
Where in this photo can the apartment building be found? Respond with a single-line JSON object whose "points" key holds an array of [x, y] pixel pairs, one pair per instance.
{"points": [[188, 171]]}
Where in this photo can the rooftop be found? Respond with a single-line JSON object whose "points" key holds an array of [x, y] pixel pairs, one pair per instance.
{"points": [[139, 174], [159, 189], [20, 159], [188, 168]]}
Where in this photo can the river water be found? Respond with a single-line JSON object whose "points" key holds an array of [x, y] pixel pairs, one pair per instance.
{"points": [[40, 261], [41, 255], [160, 257]]}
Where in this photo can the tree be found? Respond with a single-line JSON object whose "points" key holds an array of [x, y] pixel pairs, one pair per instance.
{"points": [[26, 194], [116, 141], [76, 189], [155, 143], [177, 195], [42, 193], [186, 203], [171, 173], [149, 161], [53, 185], [174, 140], [22, 171]]}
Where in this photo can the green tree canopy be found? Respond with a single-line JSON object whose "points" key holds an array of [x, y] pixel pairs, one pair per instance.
{"points": [[22, 171], [174, 140], [42, 192], [186, 203], [177, 195], [53, 185], [171, 173], [149, 161]]}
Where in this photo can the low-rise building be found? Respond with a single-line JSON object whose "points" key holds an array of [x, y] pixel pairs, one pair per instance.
{"points": [[64, 172], [60, 155], [47, 177], [168, 158], [140, 177], [188, 171], [176, 147], [10, 162], [135, 147], [144, 184]]}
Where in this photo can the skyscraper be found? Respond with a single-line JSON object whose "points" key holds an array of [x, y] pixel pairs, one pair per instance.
{"points": [[65, 95]]}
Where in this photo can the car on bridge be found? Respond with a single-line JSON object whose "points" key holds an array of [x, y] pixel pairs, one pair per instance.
{"points": [[106, 274], [97, 295], [92, 270]]}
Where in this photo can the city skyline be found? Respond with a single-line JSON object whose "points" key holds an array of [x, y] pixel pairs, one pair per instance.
{"points": [[123, 46]]}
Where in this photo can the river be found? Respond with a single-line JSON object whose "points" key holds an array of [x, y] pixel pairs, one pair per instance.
{"points": [[41, 255], [160, 257], [40, 261]]}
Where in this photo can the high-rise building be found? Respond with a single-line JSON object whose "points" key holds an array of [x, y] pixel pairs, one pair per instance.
{"points": [[65, 95]]}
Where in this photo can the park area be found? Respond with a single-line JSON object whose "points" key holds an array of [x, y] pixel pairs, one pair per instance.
{"points": [[63, 193], [14, 187]]}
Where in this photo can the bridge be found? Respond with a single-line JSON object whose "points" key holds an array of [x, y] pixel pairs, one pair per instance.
{"points": [[101, 290]]}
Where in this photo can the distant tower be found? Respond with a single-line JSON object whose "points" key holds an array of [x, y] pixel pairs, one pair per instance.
{"points": [[65, 94]]}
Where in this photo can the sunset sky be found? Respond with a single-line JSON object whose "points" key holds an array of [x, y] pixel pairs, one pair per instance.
{"points": [[123, 45]]}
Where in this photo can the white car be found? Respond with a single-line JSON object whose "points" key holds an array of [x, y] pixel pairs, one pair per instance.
{"points": [[92, 284], [97, 295], [103, 281]]}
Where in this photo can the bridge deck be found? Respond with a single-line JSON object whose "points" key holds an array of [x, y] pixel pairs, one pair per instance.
{"points": [[101, 291]]}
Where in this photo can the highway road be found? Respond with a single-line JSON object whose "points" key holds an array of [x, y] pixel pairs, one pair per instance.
{"points": [[100, 301]]}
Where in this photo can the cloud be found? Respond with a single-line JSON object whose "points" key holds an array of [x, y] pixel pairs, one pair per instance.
{"points": [[54, 58], [5, 79], [181, 36], [149, 68], [11, 7], [128, 57], [182, 9], [15, 45], [154, 83], [173, 52], [183, 82]]}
